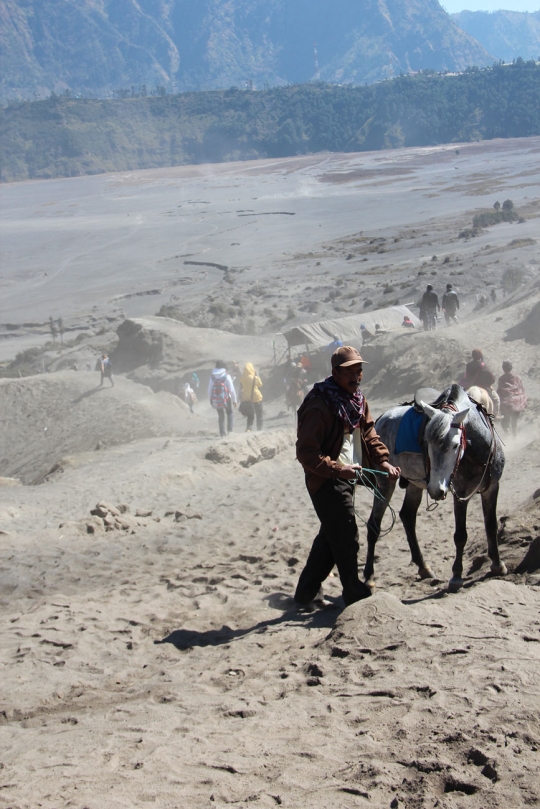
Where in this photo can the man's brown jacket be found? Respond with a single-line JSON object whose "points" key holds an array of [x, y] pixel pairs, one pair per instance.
{"points": [[320, 439]]}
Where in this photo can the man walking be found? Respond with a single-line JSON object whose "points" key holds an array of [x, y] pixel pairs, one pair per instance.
{"points": [[450, 304], [428, 308], [333, 422]]}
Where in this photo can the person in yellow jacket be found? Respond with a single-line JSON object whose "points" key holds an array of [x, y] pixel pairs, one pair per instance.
{"points": [[251, 399]]}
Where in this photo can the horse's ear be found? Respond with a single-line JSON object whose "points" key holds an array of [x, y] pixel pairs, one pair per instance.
{"points": [[428, 410], [459, 418]]}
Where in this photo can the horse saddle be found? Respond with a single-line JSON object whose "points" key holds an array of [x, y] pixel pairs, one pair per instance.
{"points": [[427, 395]]}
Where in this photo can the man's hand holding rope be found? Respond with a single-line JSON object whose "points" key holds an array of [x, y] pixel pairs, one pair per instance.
{"points": [[393, 471], [351, 471]]}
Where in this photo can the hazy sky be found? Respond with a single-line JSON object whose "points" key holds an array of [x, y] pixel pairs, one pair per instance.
{"points": [[490, 5]]}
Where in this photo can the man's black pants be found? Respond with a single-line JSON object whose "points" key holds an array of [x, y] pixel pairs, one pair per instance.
{"points": [[335, 544]]}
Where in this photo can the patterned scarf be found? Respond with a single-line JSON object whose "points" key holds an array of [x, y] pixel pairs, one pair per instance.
{"points": [[349, 407]]}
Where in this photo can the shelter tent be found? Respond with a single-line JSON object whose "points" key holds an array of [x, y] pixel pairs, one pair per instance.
{"points": [[319, 334]]}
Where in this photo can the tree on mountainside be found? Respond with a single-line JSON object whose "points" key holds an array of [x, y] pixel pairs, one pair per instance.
{"points": [[61, 137]]}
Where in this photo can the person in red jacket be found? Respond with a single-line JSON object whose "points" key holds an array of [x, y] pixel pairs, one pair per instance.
{"points": [[513, 398], [334, 425]]}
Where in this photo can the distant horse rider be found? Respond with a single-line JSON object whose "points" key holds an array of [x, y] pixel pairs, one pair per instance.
{"points": [[450, 304], [428, 308], [478, 373]]}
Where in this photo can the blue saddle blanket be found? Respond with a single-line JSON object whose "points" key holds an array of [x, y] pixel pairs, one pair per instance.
{"points": [[408, 436]]}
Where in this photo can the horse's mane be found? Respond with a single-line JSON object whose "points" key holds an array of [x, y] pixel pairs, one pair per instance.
{"points": [[438, 426], [453, 393]]}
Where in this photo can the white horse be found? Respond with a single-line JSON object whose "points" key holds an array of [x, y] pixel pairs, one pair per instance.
{"points": [[459, 452]]}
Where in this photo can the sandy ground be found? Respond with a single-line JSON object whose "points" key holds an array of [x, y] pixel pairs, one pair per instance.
{"points": [[151, 652], [125, 238]]}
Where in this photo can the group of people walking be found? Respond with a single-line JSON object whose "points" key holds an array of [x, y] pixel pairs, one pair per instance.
{"points": [[228, 391], [429, 306]]}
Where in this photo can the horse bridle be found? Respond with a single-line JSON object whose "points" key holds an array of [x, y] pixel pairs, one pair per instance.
{"points": [[451, 407]]}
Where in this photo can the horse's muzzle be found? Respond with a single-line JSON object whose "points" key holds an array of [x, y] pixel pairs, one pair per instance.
{"points": [[438, 492]]}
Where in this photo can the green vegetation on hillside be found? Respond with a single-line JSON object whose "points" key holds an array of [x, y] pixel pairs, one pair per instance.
{"points": [[67, 137]]}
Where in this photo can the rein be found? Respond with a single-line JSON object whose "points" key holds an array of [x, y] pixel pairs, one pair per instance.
{"points": [[486, 465], [451, 407]]}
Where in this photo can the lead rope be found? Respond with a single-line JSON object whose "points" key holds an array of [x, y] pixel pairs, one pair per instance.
{"points": [[486, 467], [374, 489]]}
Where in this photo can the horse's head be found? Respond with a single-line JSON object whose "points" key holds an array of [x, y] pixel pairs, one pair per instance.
{"points": [[444, 439]]}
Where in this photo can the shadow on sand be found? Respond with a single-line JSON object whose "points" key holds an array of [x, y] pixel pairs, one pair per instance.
{"points": [[87, 393], [184, 639]]}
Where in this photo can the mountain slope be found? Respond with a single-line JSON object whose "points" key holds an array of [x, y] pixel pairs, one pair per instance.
{"points": [[87, 46], [506, 34], [356, 40], [99, 46]]}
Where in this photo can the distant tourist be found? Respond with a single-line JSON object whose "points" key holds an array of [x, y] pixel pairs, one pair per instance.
{"points": [[222, 396], [235, 373], [337, 342], [429, 305], [190, 397], [195, 381], [295, 384], [450, 305], [513, 398], [251, 405], [105, 367]]}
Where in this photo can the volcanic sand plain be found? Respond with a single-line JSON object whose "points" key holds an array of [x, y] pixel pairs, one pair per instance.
{"points": [[151, 652]]}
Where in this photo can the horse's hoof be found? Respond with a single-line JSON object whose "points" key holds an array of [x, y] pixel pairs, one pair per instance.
{"points": [[426, 573], [455, 584], [499, 570]]}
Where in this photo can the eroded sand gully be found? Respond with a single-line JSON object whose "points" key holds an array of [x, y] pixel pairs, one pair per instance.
{"points": [[151, 653]]}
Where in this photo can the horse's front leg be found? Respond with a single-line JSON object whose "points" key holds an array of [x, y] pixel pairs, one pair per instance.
{"points": [[380, 504], [460, 540], [489, 507], [409, 510]]}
